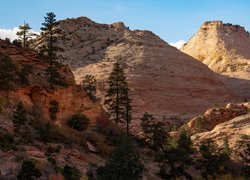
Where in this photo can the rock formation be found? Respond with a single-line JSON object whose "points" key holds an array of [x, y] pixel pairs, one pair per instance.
{"points": [[37, 95], [224, 48], [163, 80]]}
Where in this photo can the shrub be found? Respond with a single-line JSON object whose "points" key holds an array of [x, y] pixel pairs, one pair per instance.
{"points": [[79, 122], [53, 109], [2, 103], [6, 141], [28, 171], [71, 173]]}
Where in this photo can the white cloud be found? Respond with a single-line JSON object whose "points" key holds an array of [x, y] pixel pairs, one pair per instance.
{"points": [[11, 33], [178, 44]]}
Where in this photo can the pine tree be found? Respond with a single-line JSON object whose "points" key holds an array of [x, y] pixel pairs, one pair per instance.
{"points": [[123, 164], [24, 34], [7, 74], [154, 131], [19, 117], [89, 85], [50, 34], [116, 97], [29, 171]]}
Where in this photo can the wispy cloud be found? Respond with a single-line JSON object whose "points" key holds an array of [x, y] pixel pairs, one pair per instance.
{"points": [[11, 33], [178, 44]]}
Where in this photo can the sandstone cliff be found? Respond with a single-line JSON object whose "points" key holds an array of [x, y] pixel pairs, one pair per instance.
{"points": [[37, 95], [163, 80]]}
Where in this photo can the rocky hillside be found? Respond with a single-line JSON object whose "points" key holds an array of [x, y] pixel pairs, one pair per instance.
{"points": [[224, 48], [163, 80], [37, 94]]}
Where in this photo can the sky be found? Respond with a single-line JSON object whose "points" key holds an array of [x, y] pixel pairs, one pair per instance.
{"points": [[175, 21]]}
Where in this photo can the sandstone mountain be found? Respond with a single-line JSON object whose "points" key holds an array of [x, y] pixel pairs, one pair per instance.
{"points": [[224, 48], [163, 80]]}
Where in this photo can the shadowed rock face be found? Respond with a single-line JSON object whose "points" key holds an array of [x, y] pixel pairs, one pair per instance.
{"points": [[37, 95], [163, 80], [224, 48]]}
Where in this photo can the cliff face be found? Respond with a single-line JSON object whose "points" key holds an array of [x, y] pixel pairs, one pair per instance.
{"points": [[37, 95], [163, 80], [223, 47]]}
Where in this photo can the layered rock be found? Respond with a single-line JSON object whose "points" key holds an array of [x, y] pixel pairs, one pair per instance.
{"points": [[163, 81], [224, 48]]}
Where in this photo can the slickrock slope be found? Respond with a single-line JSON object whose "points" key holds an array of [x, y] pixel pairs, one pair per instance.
{"points": [[37, 96], [224, 48], [231, 122], [163, 80]]}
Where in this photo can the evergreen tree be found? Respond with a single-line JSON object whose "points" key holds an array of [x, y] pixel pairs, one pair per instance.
{"points": [[29, 171], [154, 131], [7, 74], [123, 164], [24, 34], [89, 84], [245, 155], [19, 117], [116, 97], [128, 109], [173, 160], [2, 103], [50, 35]]}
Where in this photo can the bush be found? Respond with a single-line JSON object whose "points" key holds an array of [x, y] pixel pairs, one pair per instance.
{"points": [[28, 171], [2, 103], [6, 141], [79, 122], [53, 109], [71, 173]]}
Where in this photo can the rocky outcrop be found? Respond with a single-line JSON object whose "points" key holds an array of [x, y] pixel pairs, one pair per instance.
{"points": [[215, 116], [236, 131], [163, 80], [37, 95]]}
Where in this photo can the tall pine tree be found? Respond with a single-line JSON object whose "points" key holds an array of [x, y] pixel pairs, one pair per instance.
{"points": [[117, 99], [7, 74], [24, 34]]}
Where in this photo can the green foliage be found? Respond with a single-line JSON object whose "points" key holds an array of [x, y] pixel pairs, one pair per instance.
{"points": [[24, 73], [214, 162], [174, 159], [19, 117], [53, 109], [154, 131], [24, 34], [245, 156], [7, 74], [123, 164], [71, 173], [45, 133], [29, 171], [53, 163], [56, 78], [17, 43], [116, 96], [89, 84], [6, 141], [2, 103], [79, 122]]}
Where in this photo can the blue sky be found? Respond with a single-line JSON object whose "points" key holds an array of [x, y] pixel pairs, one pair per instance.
{"points": [[171, 20]]}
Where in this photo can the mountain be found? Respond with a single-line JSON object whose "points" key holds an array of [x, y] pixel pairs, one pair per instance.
{"points": [[163, 80], [224, 48]]}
